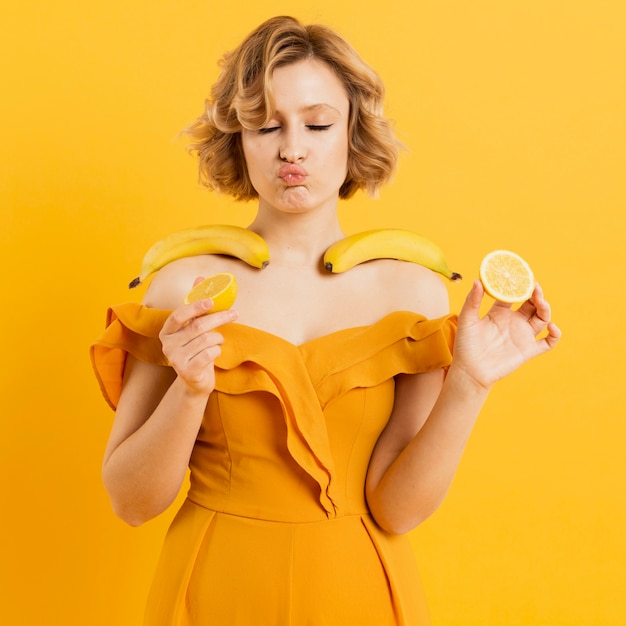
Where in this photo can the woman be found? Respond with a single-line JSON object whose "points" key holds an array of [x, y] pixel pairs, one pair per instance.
{"points": [[324, 417]]}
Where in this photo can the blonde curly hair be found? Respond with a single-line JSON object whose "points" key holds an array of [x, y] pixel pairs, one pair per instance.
{"points": [[242, 98]]}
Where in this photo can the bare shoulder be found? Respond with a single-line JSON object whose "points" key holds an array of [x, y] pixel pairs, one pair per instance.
{"points": [[412, 287], [169, 285]]}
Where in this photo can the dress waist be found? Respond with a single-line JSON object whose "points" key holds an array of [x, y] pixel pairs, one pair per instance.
{"points": [[295, 511]]}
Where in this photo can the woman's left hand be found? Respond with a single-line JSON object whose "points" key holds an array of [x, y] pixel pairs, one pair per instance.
{"points": [[491, 347]]}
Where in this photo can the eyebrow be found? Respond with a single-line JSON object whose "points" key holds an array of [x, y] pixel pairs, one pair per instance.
{"points": [[310, 108]]}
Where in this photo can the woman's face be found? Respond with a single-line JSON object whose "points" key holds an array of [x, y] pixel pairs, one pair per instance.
{"points": [[298, 162]]}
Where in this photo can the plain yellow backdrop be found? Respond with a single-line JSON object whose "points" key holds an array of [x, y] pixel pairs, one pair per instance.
{"points": [[513, 115]]}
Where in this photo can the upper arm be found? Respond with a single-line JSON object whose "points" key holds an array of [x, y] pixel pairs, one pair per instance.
{"points": [[143, 388], [169, 285], [421, 290], [145, 384]]}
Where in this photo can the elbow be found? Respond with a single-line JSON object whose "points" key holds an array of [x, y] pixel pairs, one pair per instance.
{"points": [[127, 510], [130, 507], [129, 517], [132, 512], [399, 525], [396, 524], [398, 520]]}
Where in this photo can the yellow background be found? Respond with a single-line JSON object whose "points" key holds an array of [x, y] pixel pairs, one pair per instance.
{"points": [[513, 112]]}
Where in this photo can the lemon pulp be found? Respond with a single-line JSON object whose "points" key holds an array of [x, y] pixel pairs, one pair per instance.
{"points": [[506, 276], [221, 288]]}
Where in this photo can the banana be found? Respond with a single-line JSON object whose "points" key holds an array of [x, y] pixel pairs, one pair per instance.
{"points": [[386, 243], [212, 239]]}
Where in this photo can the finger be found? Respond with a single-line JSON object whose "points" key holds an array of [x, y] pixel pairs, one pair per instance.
{"points": [[203, 345], [215, 320], [473, 301], [542, 308], [528, 308], [538, 311], [183, 315], [535, 307], [205, 357], [196, 367], [553, 337], [198, 280], [550, 341], [204, 324], [204, 341]]}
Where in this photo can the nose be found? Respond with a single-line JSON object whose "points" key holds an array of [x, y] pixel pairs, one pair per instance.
{"points": [[293, 148]]}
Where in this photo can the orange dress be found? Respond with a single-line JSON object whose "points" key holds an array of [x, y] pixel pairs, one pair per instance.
{"points": [[275, 529]]}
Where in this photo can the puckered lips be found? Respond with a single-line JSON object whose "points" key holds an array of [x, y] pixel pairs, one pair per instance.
{"points": [[292, 174]]}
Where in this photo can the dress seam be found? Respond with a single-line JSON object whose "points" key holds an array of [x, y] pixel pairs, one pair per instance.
{"points": [[227, 446], [290, 610], [256, 518]]}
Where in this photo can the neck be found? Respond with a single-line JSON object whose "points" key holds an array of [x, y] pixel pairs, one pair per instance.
{"points": [[297, 239]]}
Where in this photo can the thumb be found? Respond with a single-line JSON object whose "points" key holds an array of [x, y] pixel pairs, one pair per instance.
{"points": [[198, 280], [472, 301]]}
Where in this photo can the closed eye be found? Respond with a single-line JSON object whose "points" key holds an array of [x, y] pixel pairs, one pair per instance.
{"points": [[314, 127]]}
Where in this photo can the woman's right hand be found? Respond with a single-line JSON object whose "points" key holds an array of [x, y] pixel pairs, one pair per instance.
{"points": [[191, 343]]}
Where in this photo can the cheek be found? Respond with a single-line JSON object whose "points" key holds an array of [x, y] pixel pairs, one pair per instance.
{"points": [[247, 148], [251, 154], [341, 152], [252, 146]]}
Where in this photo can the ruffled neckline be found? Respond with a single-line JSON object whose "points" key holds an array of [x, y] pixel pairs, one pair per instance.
{"points": [[304, 377]]}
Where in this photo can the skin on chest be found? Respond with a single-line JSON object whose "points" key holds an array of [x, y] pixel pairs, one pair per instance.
{"points": [[300, 307], [301, 304]]}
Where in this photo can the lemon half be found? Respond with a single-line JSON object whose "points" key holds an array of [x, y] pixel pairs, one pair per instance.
{"points": [[506, 276], [221, 288]]}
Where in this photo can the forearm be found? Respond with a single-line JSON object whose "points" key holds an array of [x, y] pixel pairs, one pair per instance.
{"points": [[144, 473], [416, 482]]}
